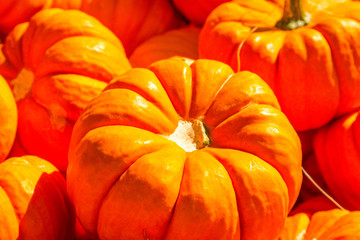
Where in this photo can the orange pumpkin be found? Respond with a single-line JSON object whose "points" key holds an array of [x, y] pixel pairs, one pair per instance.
{"points": [[197, 10], [182, 42], [8, 119], [13, 12], [312, 69], [337, 147], [134, 21], [316, 219], [55, 64], [33, 201], [184, 152]]}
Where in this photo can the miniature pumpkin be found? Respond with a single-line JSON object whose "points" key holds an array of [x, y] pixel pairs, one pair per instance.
{"points": [[184, 152], [55, 64], [311, 68], [134, 21], [8, 119], [337, 147], [33, 201], [13, 12], [182, 43], [321, 222]]}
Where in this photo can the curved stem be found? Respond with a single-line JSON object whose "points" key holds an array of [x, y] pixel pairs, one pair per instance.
{"points": [[293, 16]]}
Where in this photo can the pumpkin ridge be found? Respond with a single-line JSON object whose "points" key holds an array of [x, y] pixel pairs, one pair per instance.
{"points": [[117, 180], [144, 94], [12, 205], [249, 104], [87, 114], [17, 214], [217, 93], [176, 201], [232, 181], [335, 68], [285, 173]]}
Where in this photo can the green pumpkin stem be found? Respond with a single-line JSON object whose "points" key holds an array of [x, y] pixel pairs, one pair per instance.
{"points": [[293, 16]]}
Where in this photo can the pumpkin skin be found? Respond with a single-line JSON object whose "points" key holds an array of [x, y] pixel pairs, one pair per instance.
{"points": [[33, 201], [317, 219], [8, 119], [337, 147], [134, 21], [55, 64], [13, 12], [198, 10], [285, 59], [182, 42], [128, 180]]}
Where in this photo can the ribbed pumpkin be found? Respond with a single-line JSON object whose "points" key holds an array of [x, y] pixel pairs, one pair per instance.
{"points": [[55, 64], [337, 149], [33, 201], [317, 219], [134, 21], [184, 152], [182, 43], [8, 119], [312, 69], [13, 12]]}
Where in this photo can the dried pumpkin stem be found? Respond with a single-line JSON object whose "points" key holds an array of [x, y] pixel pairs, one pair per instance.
{"points": [[201, 138], [293, 16], [190, 135]]}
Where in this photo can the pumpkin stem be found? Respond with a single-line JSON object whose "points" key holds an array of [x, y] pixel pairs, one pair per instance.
{"points": [[293, 16], [22, 84], [190, 135], [201, 138], [322, 190]]}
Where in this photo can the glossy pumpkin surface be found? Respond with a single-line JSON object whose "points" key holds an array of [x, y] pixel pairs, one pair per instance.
{"points": [[55, 64], [337, 147], [13, 12], [134, 21], [8, 119], [182, 43], [33, 201], [313, 70], [317, 219], [129, 177]]}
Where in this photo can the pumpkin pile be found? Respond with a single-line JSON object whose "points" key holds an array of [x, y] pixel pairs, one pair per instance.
{"points": [[171, 119]]}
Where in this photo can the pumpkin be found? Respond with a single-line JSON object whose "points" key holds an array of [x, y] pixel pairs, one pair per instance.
{"points": [[182, 42], [33, 201], [337, 147], [184, 152], [8, 119], [311, 65], [316, 219], [197, 10], [134, 21], [13, 12], [55, 64]]}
